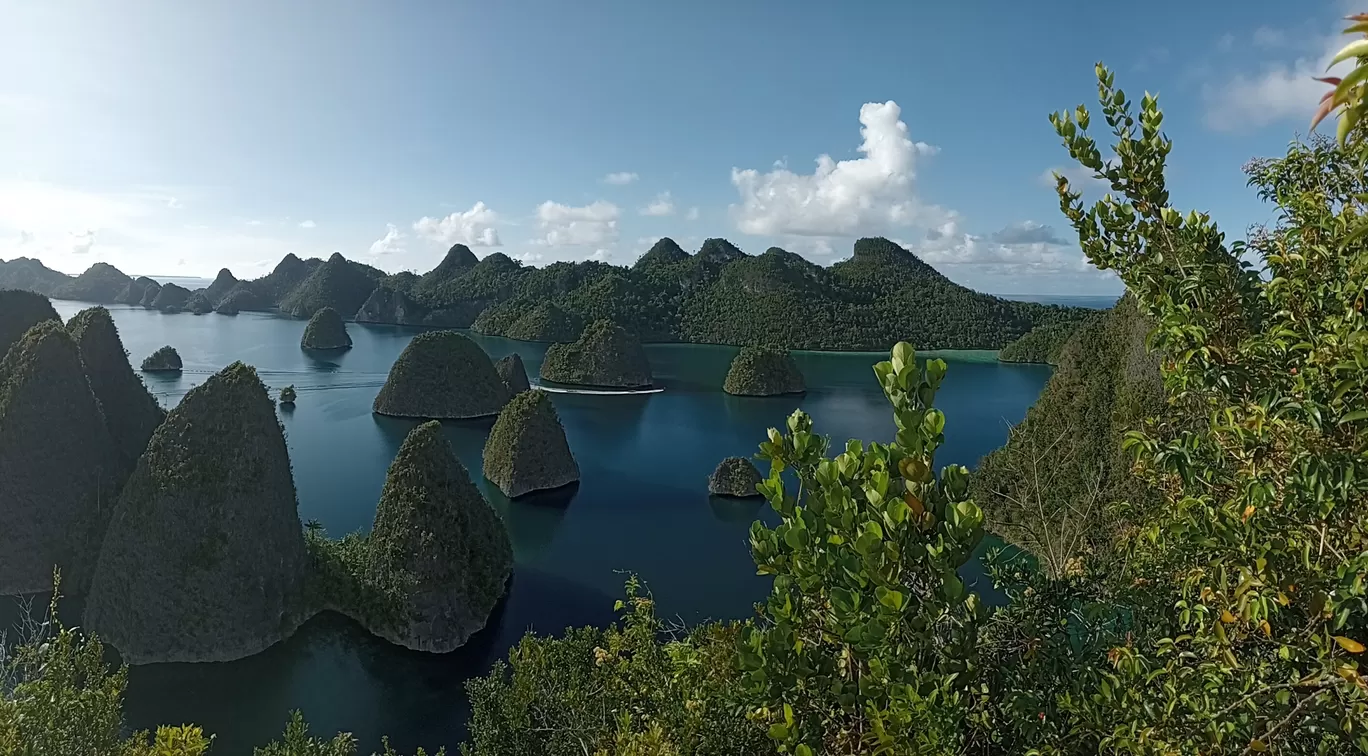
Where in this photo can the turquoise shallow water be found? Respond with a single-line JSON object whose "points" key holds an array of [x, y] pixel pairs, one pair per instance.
{"points": [[642, 505]]}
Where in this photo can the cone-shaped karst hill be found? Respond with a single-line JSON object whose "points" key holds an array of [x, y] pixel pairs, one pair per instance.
{"points": [[130, 411], [20, 311], [164, 359], [442, 375], [757, 371], [204, 557], [734, 476], [604, 355], [58, 465], [326, 330], [433, 525], [527, 450], [513, 373]]}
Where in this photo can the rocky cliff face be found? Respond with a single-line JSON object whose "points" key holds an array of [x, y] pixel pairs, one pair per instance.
{"points": [[513, 373], [150, 294], [604, 355], [442, 375], [58, 465], [131, 413], [757, 371], [734, 476], [326, 330], [204, 557], [527, 450], [434, 527], [20, 311]]}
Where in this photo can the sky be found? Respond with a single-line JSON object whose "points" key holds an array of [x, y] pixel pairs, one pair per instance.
{"points": [[175, 138]]}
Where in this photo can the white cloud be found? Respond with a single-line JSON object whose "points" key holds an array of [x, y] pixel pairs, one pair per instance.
{"points": [[474, 227], [600, 255], [174, 203], [692, 214], [254, 223], [82, 242], [1283, 90], [1026, 248], [661, 206], [308, 224], [393, 242], [622, 178], [1080, 178], [563, 225], [529, 257], [866, 195]]}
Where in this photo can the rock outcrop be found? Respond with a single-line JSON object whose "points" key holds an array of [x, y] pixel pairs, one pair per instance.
{"points": [[604, 355], [101, 283], [171, 298], [198, 303], [204, 557], [442, 375], [527, 450], [757, 371], [435, 530], [513, 373], [20, 311], [734, 476], [239, 299], [166, 359], [326, 330], [58, 465], [131, 413], [136, 289]]}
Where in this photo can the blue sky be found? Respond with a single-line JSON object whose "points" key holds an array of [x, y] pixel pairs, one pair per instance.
{"points": [[175, 138]]}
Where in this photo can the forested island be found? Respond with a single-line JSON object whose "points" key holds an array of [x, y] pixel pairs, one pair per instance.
{"points": [[718, 295]]}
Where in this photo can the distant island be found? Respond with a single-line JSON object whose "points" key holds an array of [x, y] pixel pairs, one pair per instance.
{"points": [[881, 295]]}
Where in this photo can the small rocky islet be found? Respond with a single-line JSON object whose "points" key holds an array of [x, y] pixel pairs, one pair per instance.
{"points": [[734, 477], [605, 354], [164, 360], [527, 450], [513, 373], [442, 375], [325, 331], [760, 371]]}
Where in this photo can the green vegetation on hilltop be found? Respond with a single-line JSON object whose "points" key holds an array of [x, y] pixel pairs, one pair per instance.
{"points": [[545, 322], [527, 450], [204, 558], [171, 298], [20, 311], [604, 355], [29, 274], [442, 375], [164, 359], [1042, 344], [735, 476], [131, 413], [288, 395], [223, 283], [59, 468], [101, 282], [337, 283], [434, 526], [326, 330], [758, 371]]}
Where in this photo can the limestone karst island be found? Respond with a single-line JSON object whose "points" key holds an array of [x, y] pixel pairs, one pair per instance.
{"points": [[683, 379]]}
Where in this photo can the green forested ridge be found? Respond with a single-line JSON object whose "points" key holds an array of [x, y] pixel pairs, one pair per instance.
{"points": [[136, 289], [29, 274], [19, 311], [198, 303], [1041, 344], [1231, 617], [170, 298], [131, 413], [1052, 487], [239, 299], [718, 295], [101, 282]]}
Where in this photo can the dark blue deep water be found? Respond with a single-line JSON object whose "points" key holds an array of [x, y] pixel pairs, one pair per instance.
{"points": [[642, 505]]}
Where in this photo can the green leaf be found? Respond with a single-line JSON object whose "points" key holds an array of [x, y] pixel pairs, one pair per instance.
{"points": [[889, 598], [903, 355], [1354, 416]]}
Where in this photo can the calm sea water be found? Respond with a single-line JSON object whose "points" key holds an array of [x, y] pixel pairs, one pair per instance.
{"points": [[642, 505]]}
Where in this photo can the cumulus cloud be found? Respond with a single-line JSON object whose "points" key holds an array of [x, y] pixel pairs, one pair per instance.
{"points": [[866, 195], [622, 178], [600, 255], [1283, 90], [662, 205], [393, 242], [1026, 232], [529, 257], [1020, 249], [308, 224], [692, 214], [474, 227], [564, 225]]}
